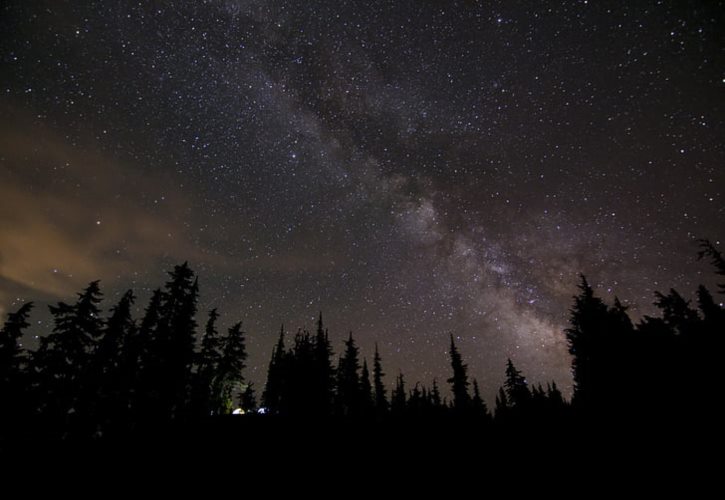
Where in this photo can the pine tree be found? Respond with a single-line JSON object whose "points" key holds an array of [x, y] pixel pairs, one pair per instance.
{"points": [[677, 313], [381, 399], [416, 401], [11, 353], [177, 336], [435, 395], [276, 378], [459, 380], [517, 390], [229, 373], [61, 364], [716, 258], [555, 399], [143, 361], [207, 365], [586, 335], [502, 406], [711, 311], [348, 380], [323, 385], [399, 399], [366, 391], [171, 325], [13, 382], [109, 388], [248, 399], [478, 405]]}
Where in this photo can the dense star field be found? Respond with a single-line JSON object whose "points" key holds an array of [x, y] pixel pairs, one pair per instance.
{"points": [[411, 168]]}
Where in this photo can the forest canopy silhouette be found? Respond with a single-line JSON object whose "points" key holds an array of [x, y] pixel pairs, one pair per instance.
{"points": [[99, 375]]}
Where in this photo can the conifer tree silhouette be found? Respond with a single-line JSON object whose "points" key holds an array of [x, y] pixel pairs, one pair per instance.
{"points": [[61, 363], [14, 404], [324, 374], [248, 399], [399, 399], [171, 353], [435, 396], [518, 394], [146, 351], [204, 399], [586, 337], [502, 406], [274, 389], [707, 249], [459, 380], [348, 380], [381, 399], [367, 401], [229, 373], [478, 405], [108, 392]]}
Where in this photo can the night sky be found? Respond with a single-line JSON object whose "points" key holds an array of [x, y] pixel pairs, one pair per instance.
{"points": [[412, 168]]}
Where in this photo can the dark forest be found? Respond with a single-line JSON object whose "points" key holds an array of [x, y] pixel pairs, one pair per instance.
{"points": [[108, 376]]}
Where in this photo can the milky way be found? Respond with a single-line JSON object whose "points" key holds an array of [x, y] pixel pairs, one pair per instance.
{"points": [[414, 169]]}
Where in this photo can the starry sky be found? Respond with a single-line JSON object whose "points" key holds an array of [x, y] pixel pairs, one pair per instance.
{"points": [[412, 168]]}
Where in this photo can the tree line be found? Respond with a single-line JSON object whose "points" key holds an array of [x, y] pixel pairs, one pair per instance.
{"points": [[115, 375]]}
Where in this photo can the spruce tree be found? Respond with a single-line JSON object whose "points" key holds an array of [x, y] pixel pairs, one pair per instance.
{"points": [[248, 399], [207, 364], [517, 390], [381, 398], [177, 338], [231, 364], [586, 336], [366, 391], [478, 405], [348, 380], [399, 399], [273, 395], [707, 249], [459, 380], [61, 364], [11, 352], [13, 381], [109, 388], [502, 406], [143, 358], [435, 395], [324, 382]]}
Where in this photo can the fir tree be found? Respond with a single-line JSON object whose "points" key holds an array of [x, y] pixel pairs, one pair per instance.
{"points": [[248, 399], [177, 331], [502, 405], [13, 390], [109, 388], [478, 405], [229, 373], [586, 334], [274, 389], [398, 400], [459, 380], [366, 390], [348, 380], [381, 399], [207, 366], [61, 364], [323, 388], [707, 249], [435, 395], [517, 390], [11, 353]]}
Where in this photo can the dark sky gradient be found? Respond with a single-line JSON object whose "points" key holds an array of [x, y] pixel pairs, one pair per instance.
{"points": [[411, 168]]}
